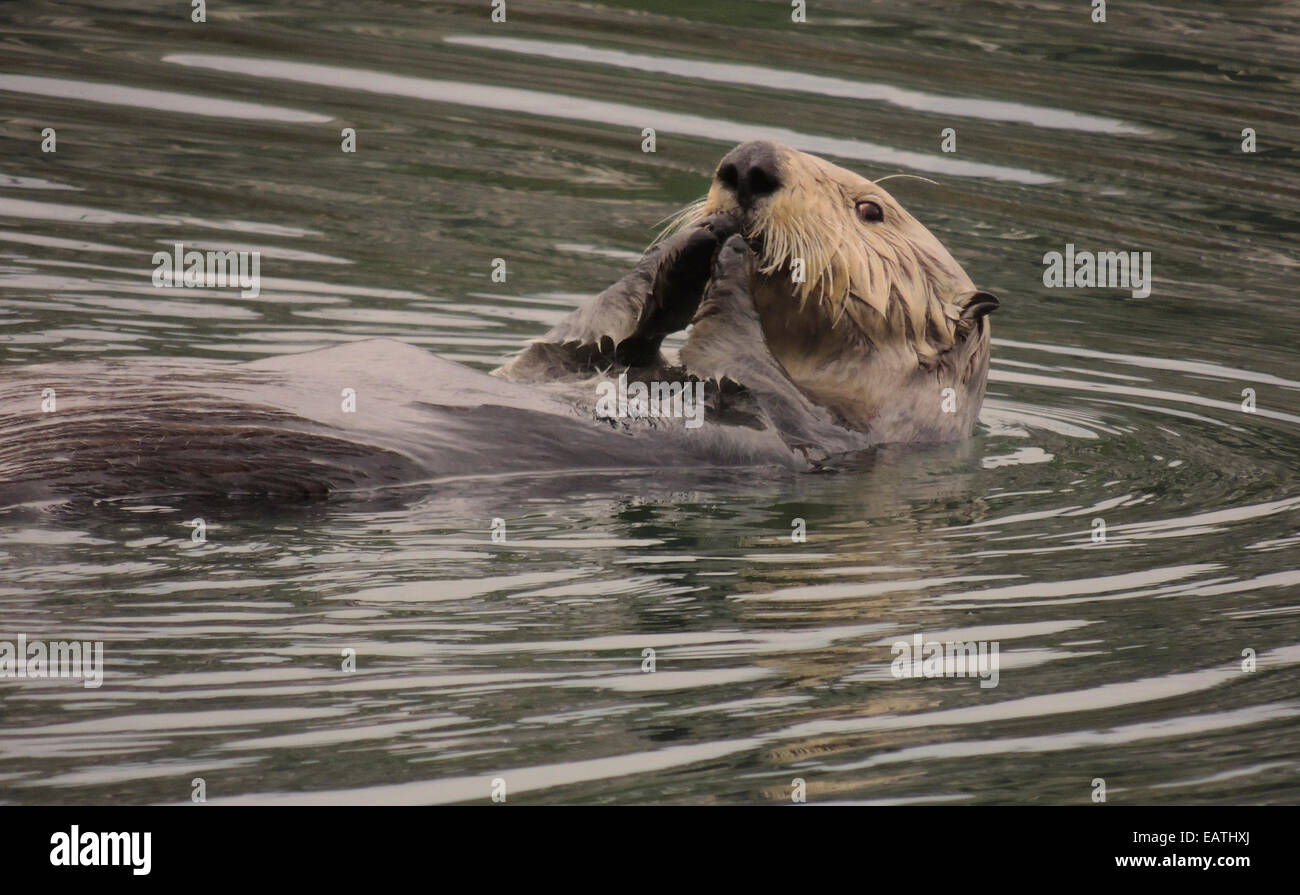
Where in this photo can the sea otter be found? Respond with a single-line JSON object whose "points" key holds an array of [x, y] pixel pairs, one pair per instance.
{"points": [[823, 319]]}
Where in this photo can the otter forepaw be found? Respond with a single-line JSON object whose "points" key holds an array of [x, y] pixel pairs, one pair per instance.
{"points": [[730, 291], [626, 323], [679, 268], [735, 259], [727, 344]]}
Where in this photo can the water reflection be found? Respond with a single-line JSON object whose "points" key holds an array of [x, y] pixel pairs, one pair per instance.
{"points": [[553, 105], [755, 76], [155, 100]]}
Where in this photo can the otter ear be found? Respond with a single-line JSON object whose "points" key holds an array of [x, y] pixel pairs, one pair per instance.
{"points": [[975, 305]]}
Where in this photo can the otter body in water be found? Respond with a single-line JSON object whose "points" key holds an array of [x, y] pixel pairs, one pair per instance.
{"points": [[823, 319]]}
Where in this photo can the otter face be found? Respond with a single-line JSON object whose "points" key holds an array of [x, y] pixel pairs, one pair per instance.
{"points": [[836, 243]]}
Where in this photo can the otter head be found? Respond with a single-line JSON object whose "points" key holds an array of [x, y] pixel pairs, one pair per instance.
{"points": [[844, 267]]}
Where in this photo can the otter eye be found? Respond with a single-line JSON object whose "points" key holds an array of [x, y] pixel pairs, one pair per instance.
{"points": [[870, 211]]}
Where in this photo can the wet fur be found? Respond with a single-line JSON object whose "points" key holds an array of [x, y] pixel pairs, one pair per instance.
{"points": [[884, 321], [794, 374], [885, 318]]}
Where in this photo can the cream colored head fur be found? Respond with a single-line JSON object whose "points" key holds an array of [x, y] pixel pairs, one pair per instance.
{"points": [[890, 280]]}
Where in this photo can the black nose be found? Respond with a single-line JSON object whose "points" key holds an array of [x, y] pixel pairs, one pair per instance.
{"points": [[750, 171]]}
